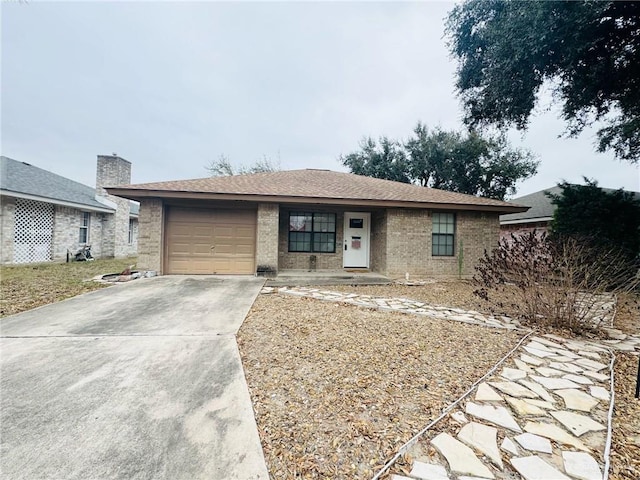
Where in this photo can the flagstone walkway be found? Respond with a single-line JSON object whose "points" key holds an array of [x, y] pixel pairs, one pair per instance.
{"points": [[544, 415]]}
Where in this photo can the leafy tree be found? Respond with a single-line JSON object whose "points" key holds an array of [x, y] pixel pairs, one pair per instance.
{"points": [[386, 160], [469, 163], [588, 51], [223, 167], [609, 219], [447, 160]]}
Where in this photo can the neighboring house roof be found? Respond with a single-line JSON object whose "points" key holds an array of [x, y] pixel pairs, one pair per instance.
{"points": [[313, 186], [541, 207], [22, 180]]}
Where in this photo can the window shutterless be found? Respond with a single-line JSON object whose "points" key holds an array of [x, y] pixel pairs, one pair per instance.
{"points": [[443, 234], [85, 219], [312, 232]]}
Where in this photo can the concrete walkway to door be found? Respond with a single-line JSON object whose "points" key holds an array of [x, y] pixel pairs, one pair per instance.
{"points": [[135, 381]]}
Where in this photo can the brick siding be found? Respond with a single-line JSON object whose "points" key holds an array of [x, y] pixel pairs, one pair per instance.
{"points": [[111, 171], [408, 248], [267, 236], [7, 225], [378, 252], [522, 228], [150, 235], [66, 232]]}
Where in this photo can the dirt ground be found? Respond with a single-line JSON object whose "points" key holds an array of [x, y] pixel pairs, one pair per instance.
{"points": [[625, 451], [337, 388], [23, 287]]}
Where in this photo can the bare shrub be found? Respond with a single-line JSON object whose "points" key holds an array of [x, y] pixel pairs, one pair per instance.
{"points": [[562, 282]]}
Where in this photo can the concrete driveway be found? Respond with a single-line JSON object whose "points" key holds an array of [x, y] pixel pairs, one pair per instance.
{"points": [[140, 380]]}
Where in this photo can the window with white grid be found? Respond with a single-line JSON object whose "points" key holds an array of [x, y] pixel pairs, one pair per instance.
{"points": [[85, 219], [33, 232]]}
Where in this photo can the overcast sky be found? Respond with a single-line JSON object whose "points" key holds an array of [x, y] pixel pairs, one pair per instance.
{"points": [[171, 86]]}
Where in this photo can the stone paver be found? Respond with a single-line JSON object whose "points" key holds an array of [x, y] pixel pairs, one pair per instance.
{"points": [[497, 415], [485, 393], [508, 445], [555, 433], [601, 377], [523, 408], [551, 388], [461, 458], [531, 360], [599, 393], [534, 468], [578, 379], [540, 403], [534, 443], [575, 399], [523, 366], [427, 471], [513, 373], [566, 367], [459, 417], [591, 364], [514, 389], [581, 466], [549, 372], [554, 383], [538, 390], [576, 423], [483, 438]]}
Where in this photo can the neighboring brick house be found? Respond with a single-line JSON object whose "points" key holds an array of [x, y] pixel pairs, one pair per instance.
{"points": [[539, 216], [44, 215], [310, 220]]}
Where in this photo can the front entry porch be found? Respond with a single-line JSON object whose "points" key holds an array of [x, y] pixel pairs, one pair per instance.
{"points": [[290, 278]]}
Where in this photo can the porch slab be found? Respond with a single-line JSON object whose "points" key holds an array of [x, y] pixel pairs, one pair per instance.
{"points": [[299, 278]]}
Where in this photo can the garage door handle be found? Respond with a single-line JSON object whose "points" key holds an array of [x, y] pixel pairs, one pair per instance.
{"points": [[213, 247]]}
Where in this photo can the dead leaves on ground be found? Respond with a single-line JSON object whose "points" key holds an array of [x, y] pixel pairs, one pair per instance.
{"points": [[338, 389], [23, 287]]}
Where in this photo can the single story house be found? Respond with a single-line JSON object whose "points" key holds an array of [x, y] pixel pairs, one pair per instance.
{"points": [[44, 215], [540, 214], [310, 220]]}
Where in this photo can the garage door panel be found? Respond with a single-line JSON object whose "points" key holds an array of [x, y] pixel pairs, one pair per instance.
{"points": [[192, 232], [245, 232], [244, 250], [180, 249]]}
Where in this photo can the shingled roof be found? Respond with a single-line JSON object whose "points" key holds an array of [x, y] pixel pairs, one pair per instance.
{"points": [[312, 186], [542, 209], [24, 180]]}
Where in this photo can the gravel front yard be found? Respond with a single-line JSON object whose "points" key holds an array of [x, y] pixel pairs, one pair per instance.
{"points": [[625, 451], [337, 389]]}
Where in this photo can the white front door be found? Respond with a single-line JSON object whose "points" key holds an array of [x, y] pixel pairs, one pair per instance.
{"points": [[355, 248]]}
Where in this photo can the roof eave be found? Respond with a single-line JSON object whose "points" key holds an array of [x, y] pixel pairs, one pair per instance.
{"points": [[55, 201], [140, 194], [526, 220]]}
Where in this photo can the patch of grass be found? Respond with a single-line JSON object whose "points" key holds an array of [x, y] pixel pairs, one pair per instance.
{"points": [[23, 287]]}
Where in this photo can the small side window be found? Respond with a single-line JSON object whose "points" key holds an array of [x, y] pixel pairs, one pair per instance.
{"points": [[85, 219], [443, 234]]}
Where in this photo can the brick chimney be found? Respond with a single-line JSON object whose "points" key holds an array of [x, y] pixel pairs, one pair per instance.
{"points": [[111, 171]]}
